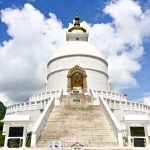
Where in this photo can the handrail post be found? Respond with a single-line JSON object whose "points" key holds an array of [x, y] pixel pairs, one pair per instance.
{"points": [[58, 97], [94, 97]]}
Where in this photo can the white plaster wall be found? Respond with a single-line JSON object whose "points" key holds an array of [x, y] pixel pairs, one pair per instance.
{"points": [[119, 113], [148, 129], [35, 114], [95, 80], [57, 81], [94, 67], [82, 61]]}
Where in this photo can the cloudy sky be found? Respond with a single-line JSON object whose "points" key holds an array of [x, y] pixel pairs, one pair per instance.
{"points": [[31, 30]]}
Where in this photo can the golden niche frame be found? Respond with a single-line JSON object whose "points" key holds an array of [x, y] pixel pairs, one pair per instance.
{"points": [[77, 79]]}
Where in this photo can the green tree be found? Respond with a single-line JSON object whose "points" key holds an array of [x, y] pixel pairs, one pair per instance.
{"points": [[2, 114], [2, 110]]}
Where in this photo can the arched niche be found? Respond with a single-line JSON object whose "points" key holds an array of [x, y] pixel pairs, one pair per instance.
{"points": [[77, 79]]}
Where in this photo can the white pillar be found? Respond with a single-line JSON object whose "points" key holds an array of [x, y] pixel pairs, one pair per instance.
{"points": [[6, 136], [33, 140], [146, 135], [129, 136], [24, 136], [6, 141]]}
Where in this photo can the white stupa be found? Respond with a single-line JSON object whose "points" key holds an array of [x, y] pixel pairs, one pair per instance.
{"points": [[77, 51], [77, 109]]}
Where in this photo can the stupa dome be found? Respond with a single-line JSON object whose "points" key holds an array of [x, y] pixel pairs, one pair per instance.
{"points": [[77, 58], [77, 48]]}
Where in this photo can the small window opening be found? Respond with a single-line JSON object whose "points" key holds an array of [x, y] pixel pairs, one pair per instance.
{"points": [[77, 39]]}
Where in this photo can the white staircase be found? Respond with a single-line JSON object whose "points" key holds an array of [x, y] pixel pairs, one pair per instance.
{"points": [[75, 121]]}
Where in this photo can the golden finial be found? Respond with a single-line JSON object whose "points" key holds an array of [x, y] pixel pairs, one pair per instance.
{"points": [[76, 18], [77, 25]]}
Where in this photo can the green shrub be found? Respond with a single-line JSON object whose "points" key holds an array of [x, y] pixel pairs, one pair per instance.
{"points": [[2, 138], [2, 114], [2, 110]]}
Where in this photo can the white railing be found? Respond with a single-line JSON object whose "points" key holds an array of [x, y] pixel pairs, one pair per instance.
{"points": [[128, 105], [43, 95], [27, 106], [59, 97], [119, 101], [41, 122], [93, 96], [112, 120], [111, 95], [37, 101]]}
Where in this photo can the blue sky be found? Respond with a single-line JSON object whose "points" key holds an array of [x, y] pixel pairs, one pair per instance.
{"points": [[97, 15], [64, 10]]}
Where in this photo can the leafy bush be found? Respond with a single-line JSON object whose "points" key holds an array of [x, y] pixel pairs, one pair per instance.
{"points": [[2, 138], [2, 110], [2, 114]]}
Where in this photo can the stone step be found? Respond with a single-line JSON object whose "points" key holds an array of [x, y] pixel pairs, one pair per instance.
{"points": [[99, 137], [85, 143], [83, 123], [81, 132], [79, 122], [84, 148]]}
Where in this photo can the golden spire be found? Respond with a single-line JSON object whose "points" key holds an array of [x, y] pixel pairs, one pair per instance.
{"points": [[77, 25], [76, 18]]}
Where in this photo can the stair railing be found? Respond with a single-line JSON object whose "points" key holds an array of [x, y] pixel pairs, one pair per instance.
{"points": [[112, 120], [93, 97], [58, 97], [41, 122]]}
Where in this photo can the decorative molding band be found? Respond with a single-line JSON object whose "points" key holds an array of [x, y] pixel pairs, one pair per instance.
{"points": [[70, 68], [76, 55], [98, 71]]}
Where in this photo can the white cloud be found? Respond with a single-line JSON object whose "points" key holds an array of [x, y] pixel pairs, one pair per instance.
{"points": [[121, 40], [145, 99], [5, 100], [24, 57]]}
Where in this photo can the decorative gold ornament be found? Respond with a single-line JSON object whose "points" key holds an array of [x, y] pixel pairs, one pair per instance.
{"points": [[77, 79]]}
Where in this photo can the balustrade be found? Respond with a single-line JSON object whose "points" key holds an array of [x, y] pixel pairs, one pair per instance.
{"points": [[43, 95], [37, 101], [26, 106], [119, 101], [127, 105], [41, 122], [110, 95], [116, 128]]}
